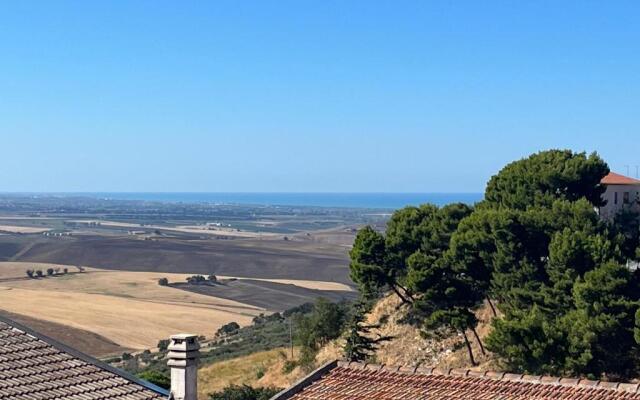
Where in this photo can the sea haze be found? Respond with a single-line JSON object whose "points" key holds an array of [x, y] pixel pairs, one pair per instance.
{"points": [[351, 200]]}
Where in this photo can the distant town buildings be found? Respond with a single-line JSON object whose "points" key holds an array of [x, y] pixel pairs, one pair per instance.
{"points": [[621, 192]]}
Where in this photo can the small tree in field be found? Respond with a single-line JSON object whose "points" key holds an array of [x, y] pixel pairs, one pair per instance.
{"points": [[163, 282], [39, 273], [30, 273], [49, 271]]}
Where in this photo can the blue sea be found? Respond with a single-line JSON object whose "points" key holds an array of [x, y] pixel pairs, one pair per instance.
{"points": [[348, 200]]}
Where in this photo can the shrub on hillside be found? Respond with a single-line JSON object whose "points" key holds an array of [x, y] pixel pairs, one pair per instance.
{"points": [[49, 271], [157, 378], [39, 273], [228, 329], [163, 344], [163, 282], [30, 273], [244, 392], [196, 279]]}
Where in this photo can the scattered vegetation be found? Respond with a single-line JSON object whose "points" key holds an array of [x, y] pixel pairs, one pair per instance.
{"points": [[231, 341], [244, 392], [163, 282]]}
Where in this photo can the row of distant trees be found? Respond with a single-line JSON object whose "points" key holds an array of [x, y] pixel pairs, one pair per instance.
{"points": [[37, 273], [194, 280]]}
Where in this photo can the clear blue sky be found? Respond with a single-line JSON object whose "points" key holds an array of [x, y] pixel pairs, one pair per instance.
{"points": [[373, 96]]}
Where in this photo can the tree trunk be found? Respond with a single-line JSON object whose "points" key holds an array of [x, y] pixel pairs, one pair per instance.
{"points": [[493, 308], [466, 341], [397, 292], [478, 340]]}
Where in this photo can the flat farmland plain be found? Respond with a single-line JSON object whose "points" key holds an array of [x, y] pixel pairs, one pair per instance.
{"points": [[250, 258]]}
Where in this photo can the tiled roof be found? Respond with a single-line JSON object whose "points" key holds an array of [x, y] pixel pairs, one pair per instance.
{"points": [[617, 179], [34, 367], [353, 381]]}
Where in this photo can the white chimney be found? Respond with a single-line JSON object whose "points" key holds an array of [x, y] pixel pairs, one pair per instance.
{"points": [[183, 360]]}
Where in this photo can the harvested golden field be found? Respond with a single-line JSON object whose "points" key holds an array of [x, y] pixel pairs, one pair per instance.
{"points": [[129, 308], [15, 270], [22, 229]]}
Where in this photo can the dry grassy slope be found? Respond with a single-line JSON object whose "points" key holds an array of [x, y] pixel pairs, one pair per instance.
{"points": [[408, 348], [259, 369]]}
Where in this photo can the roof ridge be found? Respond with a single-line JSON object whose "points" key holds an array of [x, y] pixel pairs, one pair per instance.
{"points": [[497, 376]]}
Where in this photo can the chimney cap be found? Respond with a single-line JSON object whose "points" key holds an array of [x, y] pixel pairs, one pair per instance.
{"points": [[184, 345], [184, 336]]}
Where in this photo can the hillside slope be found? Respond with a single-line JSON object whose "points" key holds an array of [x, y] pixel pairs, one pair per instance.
{"points": [[408, 348]]}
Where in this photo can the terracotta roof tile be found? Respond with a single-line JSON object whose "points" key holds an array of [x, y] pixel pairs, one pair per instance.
{"points": [[33, 367], [351, 381], [617, 179]]}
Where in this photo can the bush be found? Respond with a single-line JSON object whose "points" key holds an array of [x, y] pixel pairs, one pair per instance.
{"points": [[163, 344], [228, 329], [244, 392], [65, 271], [30, 273], [289, 366], [196, 279], [163, 282], [126, 356], [315, 330], [39, 273], [157, 378], [212, 278], [49, 271]]}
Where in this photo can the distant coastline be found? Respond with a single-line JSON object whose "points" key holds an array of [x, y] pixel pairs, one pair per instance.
{"points": [[388, 201]]}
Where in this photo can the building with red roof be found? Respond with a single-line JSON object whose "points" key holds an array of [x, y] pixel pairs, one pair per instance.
{"points": [[621, 192]]}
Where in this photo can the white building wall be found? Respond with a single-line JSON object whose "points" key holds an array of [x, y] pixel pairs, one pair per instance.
{"points": [[615, 198]]}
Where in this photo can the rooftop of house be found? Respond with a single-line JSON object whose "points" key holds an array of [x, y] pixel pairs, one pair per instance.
{"points": [[356, 381], [35, 367], [616, 179]]}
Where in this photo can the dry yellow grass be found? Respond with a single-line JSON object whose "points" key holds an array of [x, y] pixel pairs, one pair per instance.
{"points": [[245, 370], [129, 308]]}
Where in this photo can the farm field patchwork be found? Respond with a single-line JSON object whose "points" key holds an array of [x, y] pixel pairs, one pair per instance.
{"points": [[132, 310]]}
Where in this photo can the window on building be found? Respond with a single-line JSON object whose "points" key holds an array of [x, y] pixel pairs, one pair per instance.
{"points": [[625, 197], [615, 197]]}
